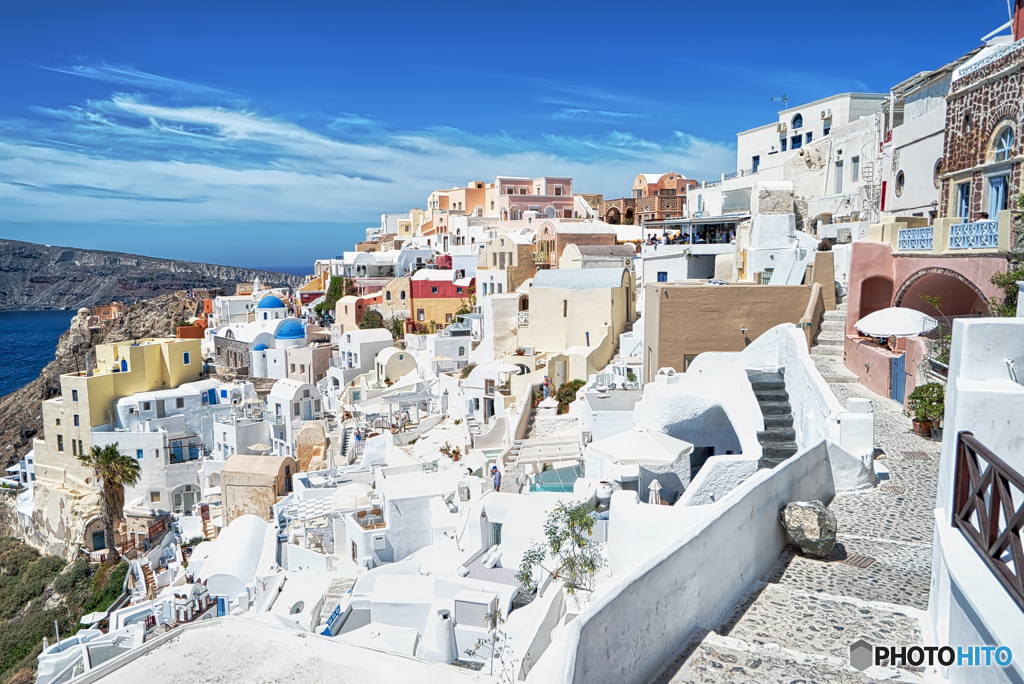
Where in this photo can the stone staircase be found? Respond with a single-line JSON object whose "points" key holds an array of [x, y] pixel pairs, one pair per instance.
{"points": [[778, 440], [147, 574], [827, 353]]}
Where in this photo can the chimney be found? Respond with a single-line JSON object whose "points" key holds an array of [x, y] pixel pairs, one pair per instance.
{"points": [[1018, 19]]}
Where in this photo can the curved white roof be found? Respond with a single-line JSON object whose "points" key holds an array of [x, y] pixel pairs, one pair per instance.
{"points": [[231, 563], [579, 278]]}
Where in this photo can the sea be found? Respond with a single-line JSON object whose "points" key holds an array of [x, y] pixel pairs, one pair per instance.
{"points": [[28, 341]]}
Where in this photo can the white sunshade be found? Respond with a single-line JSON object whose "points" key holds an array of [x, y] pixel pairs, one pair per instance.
{"points": [[501, 367], [640, 446], [93, 618], [896, 321], [351, 495]]}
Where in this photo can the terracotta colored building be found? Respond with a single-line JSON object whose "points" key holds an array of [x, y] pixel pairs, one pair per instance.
{"points": [[552, 238], [654, 197]]}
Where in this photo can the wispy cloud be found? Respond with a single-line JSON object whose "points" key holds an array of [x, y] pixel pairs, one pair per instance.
{"points": [[132, 157], [128, 76]]}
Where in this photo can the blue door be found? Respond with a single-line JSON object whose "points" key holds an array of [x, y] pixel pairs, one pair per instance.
{"points": [[897, 378]]}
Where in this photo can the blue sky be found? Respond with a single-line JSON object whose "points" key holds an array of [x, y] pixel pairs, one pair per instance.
{"points": [[271, 133]]}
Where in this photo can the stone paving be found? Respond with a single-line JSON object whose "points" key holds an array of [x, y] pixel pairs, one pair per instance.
{"points": [[798, 622]]}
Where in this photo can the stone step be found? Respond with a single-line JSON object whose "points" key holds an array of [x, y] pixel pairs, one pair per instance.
{"points": [[776, 407], [769, 396], [778, 450], [826, 350], [831, 338], [834, 316], [833, 326], [760, 380], [778, 420], [777, 434]]}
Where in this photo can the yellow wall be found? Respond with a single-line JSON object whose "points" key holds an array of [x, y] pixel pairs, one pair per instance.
{"points": [[436, 310], [560, 319]]}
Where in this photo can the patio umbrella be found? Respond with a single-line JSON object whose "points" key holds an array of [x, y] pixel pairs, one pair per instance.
{"points": [[351, 495], [655, 496], [260, 446], [93, 618], [501, 367], [640, 446], [896, 321], [441, 358]]}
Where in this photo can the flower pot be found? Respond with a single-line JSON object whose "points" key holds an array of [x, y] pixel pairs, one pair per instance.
{"points": [[923, 428], [520, 353], [936, 434]]}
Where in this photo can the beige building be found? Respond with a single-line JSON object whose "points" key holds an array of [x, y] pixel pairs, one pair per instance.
{"points": [[511, 252], [396, 297], [577, 312], [682, 320], [65, 496], [252, 484]]}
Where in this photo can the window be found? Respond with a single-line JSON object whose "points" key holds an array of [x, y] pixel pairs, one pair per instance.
{"points": [[997, 197], [565, 308], [387, 296], [179, 402], [796, 142], [154, 497], [558, 191], [138, 454], [900, 182], [401, 295], [963, 199], [937, 174], [145, 404], [356, 395], [223, 394], [60, 442], [755, 162], [476, 404], [316, 406], [1004, 145], [293, 368], [81, 449], [798, 121], [305, 393], [808, 137], [419, 315], [662, 276], [839, 177], [462, 351], [782, 142], [433, 290], [76, 420], [74, 448], [58, 422], [447, 318], [855, 169], [458, 290], [287, 478], [74, 395], [302, 369], [826, 130], [186, 358], [296, 409]]}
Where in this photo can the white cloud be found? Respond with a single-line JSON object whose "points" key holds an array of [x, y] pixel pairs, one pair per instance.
{"points": [[128, 158]]}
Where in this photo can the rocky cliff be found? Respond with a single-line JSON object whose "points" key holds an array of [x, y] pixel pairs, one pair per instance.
{"points": [[42, 277], [21, 416]]}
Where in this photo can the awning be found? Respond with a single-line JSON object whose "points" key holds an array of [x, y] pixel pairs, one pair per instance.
{"points": [[640, 446]]}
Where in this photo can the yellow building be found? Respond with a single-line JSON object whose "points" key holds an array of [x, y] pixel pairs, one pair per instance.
{"points": [[511, 252], [65, 493]]}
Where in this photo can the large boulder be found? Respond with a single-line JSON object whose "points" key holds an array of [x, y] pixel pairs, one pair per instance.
{"points": [[811, 526]]}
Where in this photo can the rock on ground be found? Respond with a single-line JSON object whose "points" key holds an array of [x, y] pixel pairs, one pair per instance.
{"points": [[811, 526]]}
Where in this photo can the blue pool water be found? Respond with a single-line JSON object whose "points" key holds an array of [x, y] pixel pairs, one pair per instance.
{"points": [[28, 341]]}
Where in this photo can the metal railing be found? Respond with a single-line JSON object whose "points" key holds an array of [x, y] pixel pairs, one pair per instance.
{"points": [[730, 176], [912, 239], [997, 55], [984, 487], [524, 319], [977, 235]]}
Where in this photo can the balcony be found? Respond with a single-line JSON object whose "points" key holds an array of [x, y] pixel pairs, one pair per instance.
{"points": [[915, 239], [524, 319], [541, 257], [977, 235], [987, 510]]}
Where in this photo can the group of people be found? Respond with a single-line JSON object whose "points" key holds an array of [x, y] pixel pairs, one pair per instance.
{"points": [[702, 235]]}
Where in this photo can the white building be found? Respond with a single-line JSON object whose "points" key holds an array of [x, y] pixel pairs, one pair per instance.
{"points": [[289, 405]]}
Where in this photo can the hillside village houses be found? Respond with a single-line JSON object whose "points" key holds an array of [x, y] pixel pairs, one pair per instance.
{"points": [[683, 363]]}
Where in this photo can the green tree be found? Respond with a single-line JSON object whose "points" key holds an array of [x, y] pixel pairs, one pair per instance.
{"points": [[114, 471], [567, 550], [371, 320], [1007, 282], [566, 394]]}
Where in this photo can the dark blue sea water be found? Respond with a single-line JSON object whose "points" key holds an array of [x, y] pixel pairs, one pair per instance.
{"points": [[28, 341]]}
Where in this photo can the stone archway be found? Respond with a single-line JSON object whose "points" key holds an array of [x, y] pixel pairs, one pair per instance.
{"points": [[613, 217], [958, 295]]}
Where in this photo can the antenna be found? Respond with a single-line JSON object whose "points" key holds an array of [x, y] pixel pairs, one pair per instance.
{"points": [[784, 100]]}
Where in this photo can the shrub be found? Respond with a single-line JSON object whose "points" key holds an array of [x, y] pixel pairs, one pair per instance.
{"points": [[566, 394], [927, 402], [371, 320], [1007, 282], [467, 369]]}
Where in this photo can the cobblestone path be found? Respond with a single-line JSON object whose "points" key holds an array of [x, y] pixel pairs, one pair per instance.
{"points": [[798, 623]]}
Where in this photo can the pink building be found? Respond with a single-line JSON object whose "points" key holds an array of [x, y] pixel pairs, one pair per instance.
{"points": [[549, 195]]}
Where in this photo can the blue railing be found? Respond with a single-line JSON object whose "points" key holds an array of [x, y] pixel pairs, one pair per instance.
{"points": [[730, 176], [915, 239], [977, 235]]}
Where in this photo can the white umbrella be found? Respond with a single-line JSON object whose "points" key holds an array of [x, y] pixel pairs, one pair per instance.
{"points": [[896, 321], [260, 446], [501, 367], [93, 618], [351, 495], [640, 446], [655, 496]]}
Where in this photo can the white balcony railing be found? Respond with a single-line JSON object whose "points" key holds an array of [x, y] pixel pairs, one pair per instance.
{"points": [[911, 239], [524, 319], [977, 235]]}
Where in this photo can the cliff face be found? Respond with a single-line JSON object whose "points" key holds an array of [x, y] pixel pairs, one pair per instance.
{"points": [[40, 277], [21, 416]]}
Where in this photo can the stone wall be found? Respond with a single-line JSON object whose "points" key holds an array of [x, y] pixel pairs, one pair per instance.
{"points": [[231, 355]]}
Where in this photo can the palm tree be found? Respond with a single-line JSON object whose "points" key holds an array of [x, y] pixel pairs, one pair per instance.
{"points": [[114, 471]]}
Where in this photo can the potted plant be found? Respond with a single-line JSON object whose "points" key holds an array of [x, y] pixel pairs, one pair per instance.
{"points": [[520, 351], [927, 403]]}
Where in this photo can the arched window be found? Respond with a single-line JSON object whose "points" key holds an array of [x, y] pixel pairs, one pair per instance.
{"points": [[387, 296], [1004, 144], [402, 295], [550, 212], [798, 121], [514, 213], [462, 351], [900, 183]]}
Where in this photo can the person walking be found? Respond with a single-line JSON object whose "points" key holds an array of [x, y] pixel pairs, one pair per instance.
{"points": [[546, 387], [497, 477]]}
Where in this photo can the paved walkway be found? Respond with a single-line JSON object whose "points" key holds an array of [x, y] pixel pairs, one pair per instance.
{"points": [[798, 623]]}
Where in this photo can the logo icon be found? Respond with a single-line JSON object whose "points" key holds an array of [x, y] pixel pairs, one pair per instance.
{"points": [[861, 655]]}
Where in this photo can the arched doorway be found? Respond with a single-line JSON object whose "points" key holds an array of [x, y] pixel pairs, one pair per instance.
{"points": [[613, 217], [954, 294], [629, 215], [875, 294], [514, 213]]}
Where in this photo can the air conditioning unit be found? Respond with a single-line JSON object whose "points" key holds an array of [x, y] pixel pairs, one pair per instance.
{"points": [[843, 235], [475, 613], [528, 350], [781, 128], [826, 113]]}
